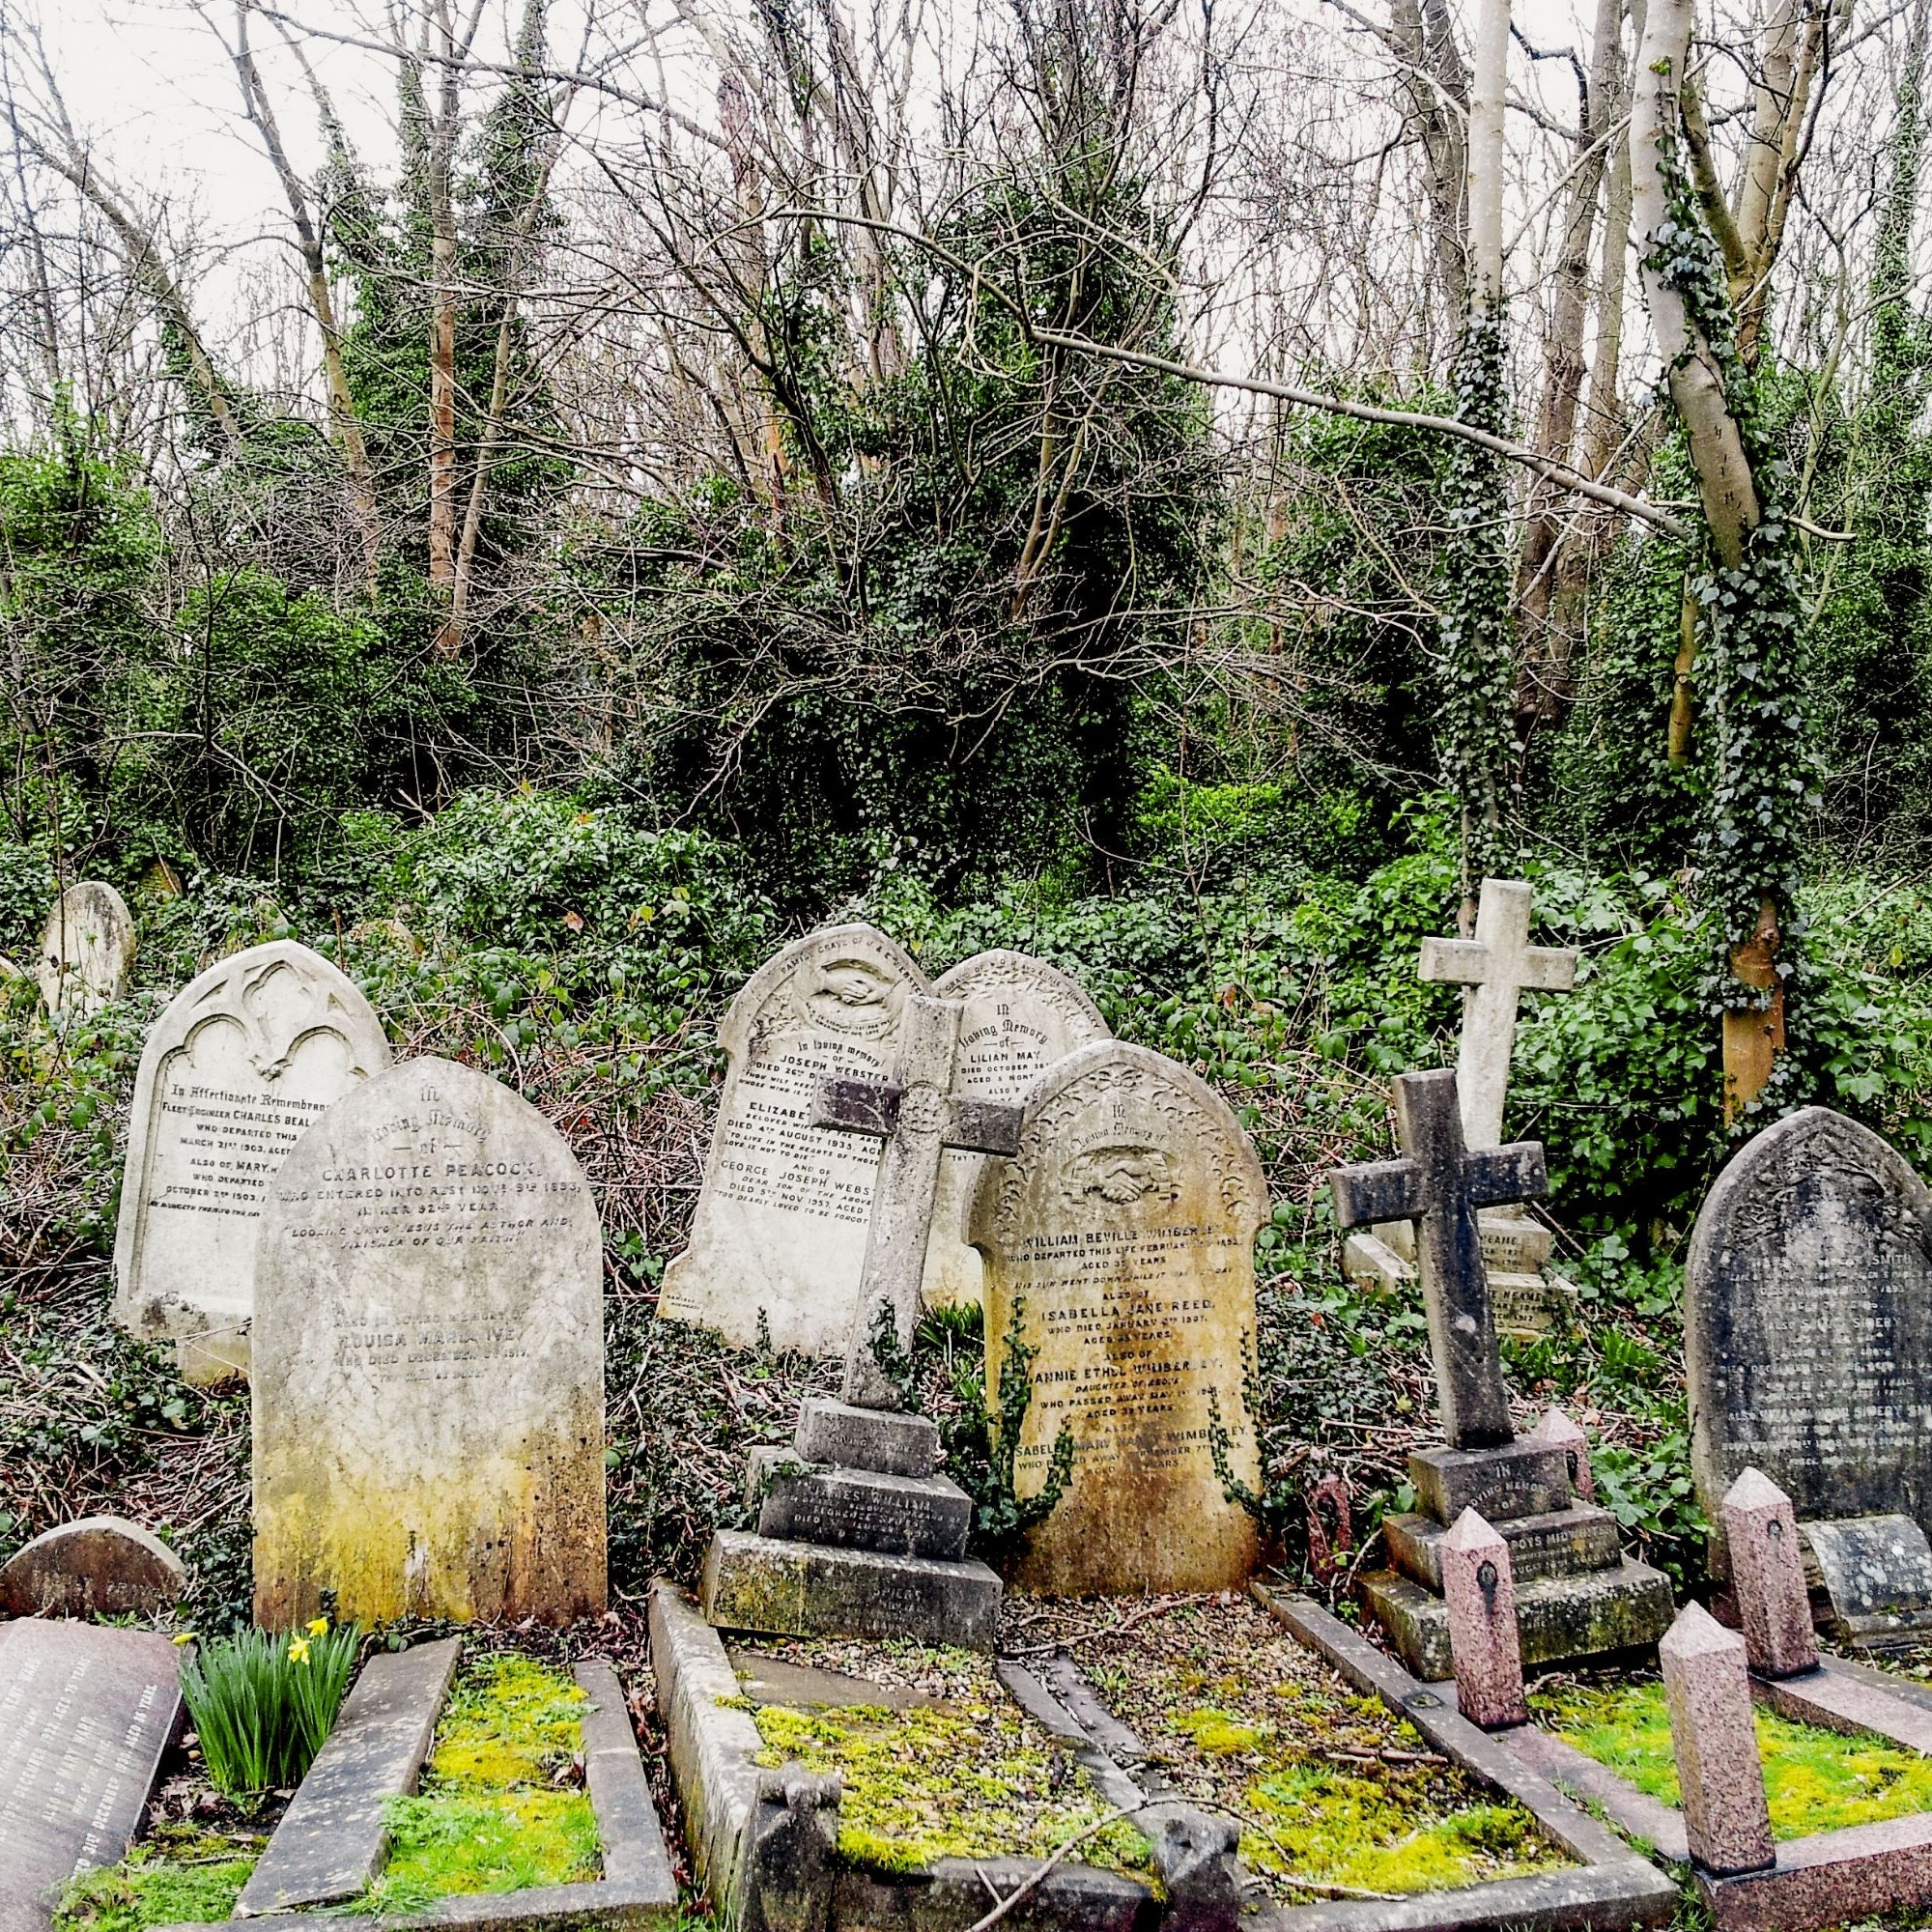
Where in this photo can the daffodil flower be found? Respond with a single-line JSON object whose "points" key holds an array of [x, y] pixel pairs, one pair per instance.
{"points": [[318, 1627], [298, 1650], [183, 1637]]}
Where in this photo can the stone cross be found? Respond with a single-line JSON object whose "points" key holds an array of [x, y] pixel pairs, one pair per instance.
{"points": [[1440, 1184], [1497, 966], [916, 1114]]}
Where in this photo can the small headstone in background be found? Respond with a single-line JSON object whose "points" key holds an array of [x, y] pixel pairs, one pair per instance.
{"points": [[429, 1362], [97, 1566], [1875, 1576], [1021, 1015], [244, 1058], [1707, 1690], [87, 953], [1119, 1246], [778, 1237], [1807, 1335], [1768, 1576], [85, 1716]]}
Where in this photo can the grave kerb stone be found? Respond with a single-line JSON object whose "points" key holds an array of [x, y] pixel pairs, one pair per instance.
{"points": [[1768, 1574], [1479, 1592], [1714, 1737]]}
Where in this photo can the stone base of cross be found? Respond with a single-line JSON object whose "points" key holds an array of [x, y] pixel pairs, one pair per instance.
{"points": [[1440, 1184], [917, 1115]]}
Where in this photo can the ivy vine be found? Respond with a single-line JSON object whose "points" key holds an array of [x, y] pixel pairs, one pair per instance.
{"points": [[1763, 794], [1476, 732]]}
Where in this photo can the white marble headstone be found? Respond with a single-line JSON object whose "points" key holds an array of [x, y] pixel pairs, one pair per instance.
{"points": [[1021, 1015], [87, 953], [245, 1057], [428, 1383], [779, 1238]]}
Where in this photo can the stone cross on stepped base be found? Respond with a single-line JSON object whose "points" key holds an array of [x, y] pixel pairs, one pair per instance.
{"points": [[1576, 1594], [1439, 1184], [917, 1116], [858, 1534]]}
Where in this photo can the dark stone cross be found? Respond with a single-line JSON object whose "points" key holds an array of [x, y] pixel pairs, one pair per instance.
{"points": [[917, 1115], [1440, 1186]]}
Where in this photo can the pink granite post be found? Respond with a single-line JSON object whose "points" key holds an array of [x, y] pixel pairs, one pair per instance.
{"points": [[1483, 1643], [1557, 1428], [1768, 1574], [1707, 1687]]}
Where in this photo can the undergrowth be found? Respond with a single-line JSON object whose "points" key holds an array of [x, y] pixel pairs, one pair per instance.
{"points": [[181, 1876]]}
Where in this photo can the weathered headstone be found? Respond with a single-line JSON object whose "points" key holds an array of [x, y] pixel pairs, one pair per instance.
{"points": [[96, 1566], [429, 1362], [780, 1235], [1020, 1016], [1808, 1301], [1497, 967], [87, 953], [85, 1716], [866, 1538], [1577, 1595], [1875, 1576], [245, 1057], [1119, 1249]]}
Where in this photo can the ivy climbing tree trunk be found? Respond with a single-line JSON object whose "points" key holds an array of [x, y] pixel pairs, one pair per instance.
{"points": [[1476, 736], [1745, 595]]}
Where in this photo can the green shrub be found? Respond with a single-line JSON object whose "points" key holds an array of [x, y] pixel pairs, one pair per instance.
{"points": [[262, 1704]]}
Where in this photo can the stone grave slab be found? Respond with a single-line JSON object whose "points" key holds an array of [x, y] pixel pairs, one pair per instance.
{"points": [[86, 1714], [332, 1840], [1021, 1015], [1119, 1246], [87, 952], [1875, 1573], [242, 1061], [1808, 1325], [95, 1566], [339, 1827], [429, 1362], [778, 1237]]}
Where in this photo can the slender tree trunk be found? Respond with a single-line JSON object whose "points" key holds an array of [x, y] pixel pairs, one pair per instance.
{"points": [[443, 321]]}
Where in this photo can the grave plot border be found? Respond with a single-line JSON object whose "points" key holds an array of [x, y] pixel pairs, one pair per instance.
{"points": [[763, 1839], [397, 1720], [1610, 1886], [1823, 1879]]}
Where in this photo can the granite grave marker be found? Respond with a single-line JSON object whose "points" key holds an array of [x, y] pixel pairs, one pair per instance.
{"points": [[85, 1716], [87, 952], [429, 1362], [778, 1237], [1809, 1323], [1020, 1016], [1119, 1245], [244, 1058]]}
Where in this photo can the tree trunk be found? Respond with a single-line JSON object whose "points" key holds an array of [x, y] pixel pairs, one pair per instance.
{"points": [[443, 323]]}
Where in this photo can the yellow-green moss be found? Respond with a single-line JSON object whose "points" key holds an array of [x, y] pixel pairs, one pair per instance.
{"points": [[963, 1781], [489, 1817], [1816, 1780], [181, 1876]]}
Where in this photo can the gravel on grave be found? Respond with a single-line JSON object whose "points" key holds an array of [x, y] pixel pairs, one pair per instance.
{"points": [[1329, 1788]]}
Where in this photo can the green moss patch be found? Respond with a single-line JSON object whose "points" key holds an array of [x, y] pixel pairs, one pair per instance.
{"points": [[1332, 1791], [181, 1876], [1816, 1780], [491, 1814], [971, 1776]]}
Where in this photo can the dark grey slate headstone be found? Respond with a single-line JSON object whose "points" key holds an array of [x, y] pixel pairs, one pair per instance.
{"points": [[85, 1714], [1877, 1577], [1807, 1309]]}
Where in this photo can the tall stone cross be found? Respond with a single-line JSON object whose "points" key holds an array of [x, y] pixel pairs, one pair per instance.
{"points": [[1497, 966], [1440, 1184], [916, 1114]]}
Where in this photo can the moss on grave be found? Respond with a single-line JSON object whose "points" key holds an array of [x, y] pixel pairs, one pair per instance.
{"points": [[181, 1876], [1334, 1795], [966, 1776], [500, 1810], [1815, 1780]]}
